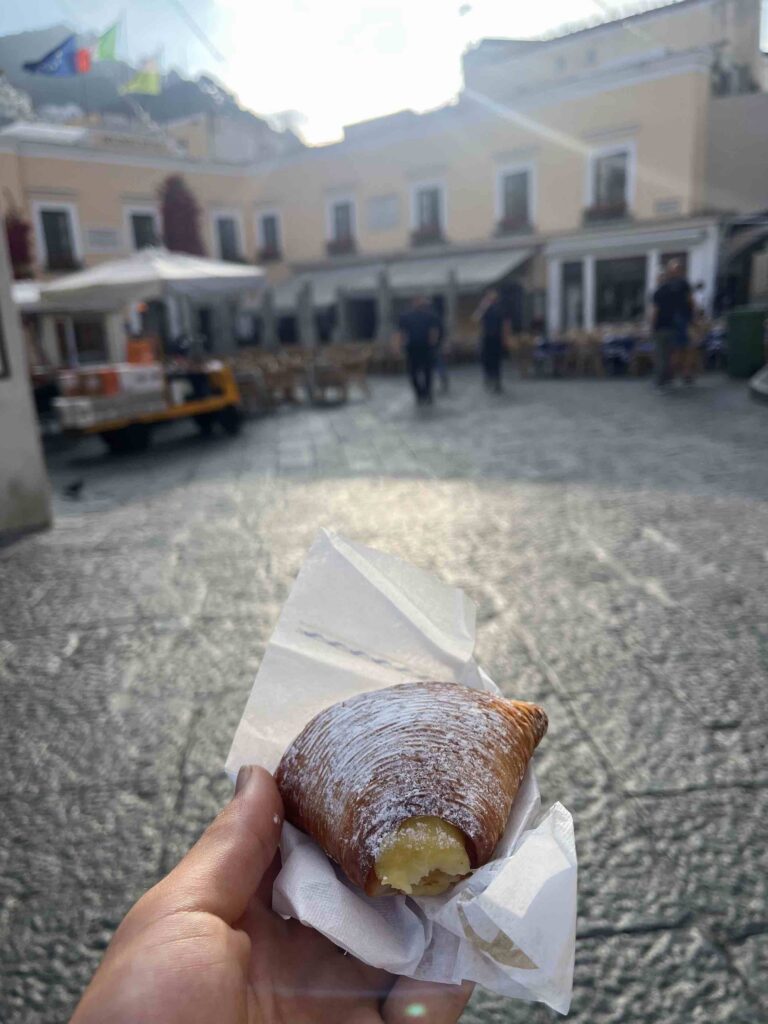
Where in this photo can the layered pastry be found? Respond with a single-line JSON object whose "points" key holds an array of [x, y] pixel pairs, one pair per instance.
{"points": [[409, 788]]}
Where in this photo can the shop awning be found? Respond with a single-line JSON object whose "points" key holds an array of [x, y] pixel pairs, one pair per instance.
{"points": [[408, 276], [473, 270], [355, 280], [151, 274]]}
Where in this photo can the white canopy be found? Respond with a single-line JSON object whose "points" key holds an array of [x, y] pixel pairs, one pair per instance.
{"points": [[150, 274]]}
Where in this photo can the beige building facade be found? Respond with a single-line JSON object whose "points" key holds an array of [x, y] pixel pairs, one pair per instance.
{"points": [[567, 171]]}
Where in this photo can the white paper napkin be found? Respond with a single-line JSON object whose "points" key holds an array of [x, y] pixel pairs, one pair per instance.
{"points": [[359, 620]]}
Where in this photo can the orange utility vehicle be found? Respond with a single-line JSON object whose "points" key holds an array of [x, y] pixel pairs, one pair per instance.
{"points": [[124, 408]]}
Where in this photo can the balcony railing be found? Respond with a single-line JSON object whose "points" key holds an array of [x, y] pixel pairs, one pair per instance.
{"points": [[269, 254], [601, 212], [514, 226], [343, 246], [427, 234]]}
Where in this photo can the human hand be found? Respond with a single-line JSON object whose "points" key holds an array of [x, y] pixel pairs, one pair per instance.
{"points": [[204, 946]]}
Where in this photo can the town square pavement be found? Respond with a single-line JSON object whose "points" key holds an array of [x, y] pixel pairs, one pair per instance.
{"points": [[616, 544]]}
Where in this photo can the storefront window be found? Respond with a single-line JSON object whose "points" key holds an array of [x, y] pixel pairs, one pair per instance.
{"points": [[620, 289], [572, 296]]}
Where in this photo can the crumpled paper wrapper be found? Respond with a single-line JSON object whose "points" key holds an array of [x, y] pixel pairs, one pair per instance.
{"points": [[359, 620]]}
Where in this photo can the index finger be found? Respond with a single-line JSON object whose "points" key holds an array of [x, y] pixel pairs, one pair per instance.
{"points": [[225, 867]]}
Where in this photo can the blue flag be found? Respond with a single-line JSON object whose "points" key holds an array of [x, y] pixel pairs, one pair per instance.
{"points": [[60, 62]]}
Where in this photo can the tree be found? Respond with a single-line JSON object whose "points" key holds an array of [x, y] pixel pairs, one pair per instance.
{"points": [[181, 217], [17, 233]]}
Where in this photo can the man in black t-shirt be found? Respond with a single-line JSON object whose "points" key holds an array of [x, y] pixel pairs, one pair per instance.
{"points": [[418, 334], [493, 320], [672, 309]]}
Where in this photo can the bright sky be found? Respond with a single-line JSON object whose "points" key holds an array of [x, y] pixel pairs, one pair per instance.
{"points": [[334, 61]]}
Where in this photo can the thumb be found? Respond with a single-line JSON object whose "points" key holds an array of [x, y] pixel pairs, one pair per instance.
{"points": [[223, 869]]}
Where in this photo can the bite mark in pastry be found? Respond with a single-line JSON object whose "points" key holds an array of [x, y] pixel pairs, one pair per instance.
{"points": [[410, 787]]}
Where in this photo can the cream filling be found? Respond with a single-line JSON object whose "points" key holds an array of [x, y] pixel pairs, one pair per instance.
{"points": [[424, 857]]}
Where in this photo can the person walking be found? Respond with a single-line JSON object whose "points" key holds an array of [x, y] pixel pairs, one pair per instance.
{"points": [[672, 311], [418, 334], [493, 327]]}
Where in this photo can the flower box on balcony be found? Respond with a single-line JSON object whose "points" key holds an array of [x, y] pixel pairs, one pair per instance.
{"points": [[605, 211], [514, 226], [268, 255], [340, 246], [431, 235]]}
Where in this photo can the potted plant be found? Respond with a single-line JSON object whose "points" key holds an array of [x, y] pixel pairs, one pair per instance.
{"points": [[17, 233], [181, 217]]}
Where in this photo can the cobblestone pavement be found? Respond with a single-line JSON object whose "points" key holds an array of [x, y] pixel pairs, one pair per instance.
{"points": [[616, 543]]}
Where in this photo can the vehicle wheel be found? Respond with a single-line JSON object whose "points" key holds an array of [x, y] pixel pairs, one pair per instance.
{"points": [[231, 419], [115, 440], [135, 438], [205, 422], [141, 436]]}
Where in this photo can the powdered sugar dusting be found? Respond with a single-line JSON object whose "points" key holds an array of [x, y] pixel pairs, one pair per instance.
{"points": [[362, 767]]}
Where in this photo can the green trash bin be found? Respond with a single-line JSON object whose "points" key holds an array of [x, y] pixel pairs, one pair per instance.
{"points": [[746, 345]]}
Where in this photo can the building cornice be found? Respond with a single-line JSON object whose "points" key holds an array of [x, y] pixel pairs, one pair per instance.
{"points": [[85, 154]]}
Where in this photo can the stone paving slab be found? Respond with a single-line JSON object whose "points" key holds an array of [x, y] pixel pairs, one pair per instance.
{"points": [[615, 545]]}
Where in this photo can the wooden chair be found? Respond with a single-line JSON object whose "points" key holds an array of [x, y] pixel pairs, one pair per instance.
{"points": [[278, 374], [588, 354], [354, 359], [521, 348], [327, 382], [642, 360]]}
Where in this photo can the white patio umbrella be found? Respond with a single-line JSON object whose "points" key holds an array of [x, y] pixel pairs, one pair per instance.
{"points": [[151, 273]]}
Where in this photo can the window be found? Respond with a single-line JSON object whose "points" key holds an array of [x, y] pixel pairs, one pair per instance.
{"points": [[428, 209], [610, 180], [142, 226], [342, 220], [143, 230], [270, 233], [340, 226], [228, 238], [610, 183], [572, 296], [620, 289], [269, 236], [514, 199], [57, 237], [428, 213], [383, 213]]}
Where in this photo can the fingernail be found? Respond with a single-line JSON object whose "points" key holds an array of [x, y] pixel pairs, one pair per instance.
{"points": [[242, 777]]}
